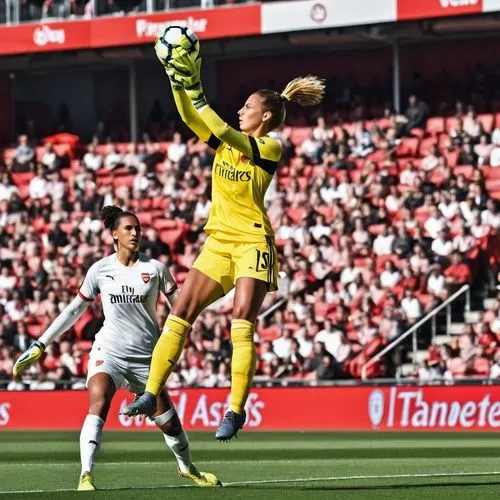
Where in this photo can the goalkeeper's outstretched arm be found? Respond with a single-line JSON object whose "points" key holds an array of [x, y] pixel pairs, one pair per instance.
{"points": [[189, 114], [68, 317]]}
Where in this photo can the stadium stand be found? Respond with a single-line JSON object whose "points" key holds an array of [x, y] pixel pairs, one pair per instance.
{"points": [[377, 223]]}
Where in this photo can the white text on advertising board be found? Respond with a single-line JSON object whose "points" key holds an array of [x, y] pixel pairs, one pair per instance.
{"points": [[409, 408], [44, 35], [149, 29]]}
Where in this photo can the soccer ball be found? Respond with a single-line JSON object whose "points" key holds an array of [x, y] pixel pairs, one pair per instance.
{"points": [[176, 37]]}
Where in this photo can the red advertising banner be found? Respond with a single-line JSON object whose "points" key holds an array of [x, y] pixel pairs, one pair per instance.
{"points": [[422, 9], [49, 37], [206, 23], [128, 30], [327, 408]]}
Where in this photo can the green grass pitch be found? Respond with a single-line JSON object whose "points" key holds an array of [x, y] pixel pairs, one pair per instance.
{"points": [[285, 466]]}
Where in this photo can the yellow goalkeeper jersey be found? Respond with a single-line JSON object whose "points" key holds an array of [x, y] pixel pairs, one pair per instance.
{"points": [[239, 184], [242, 171]]}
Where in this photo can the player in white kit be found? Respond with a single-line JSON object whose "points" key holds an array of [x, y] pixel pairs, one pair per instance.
{"points": [[129, 283]]}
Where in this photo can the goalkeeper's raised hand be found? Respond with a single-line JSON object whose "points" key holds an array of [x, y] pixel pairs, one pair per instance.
{"points": [[185, 72], [32, 355]]}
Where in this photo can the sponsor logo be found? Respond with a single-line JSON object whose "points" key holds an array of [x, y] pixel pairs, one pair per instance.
{"points": [[4, 414], [148, 29], [128, 296], [409, 409], [318, 13], [145, 277], [99, 362], [457, 3], [44, 35], [376, 407], [228, 172]]}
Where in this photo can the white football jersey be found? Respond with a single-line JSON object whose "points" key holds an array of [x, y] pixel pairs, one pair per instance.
{"points": [[129, 296]]}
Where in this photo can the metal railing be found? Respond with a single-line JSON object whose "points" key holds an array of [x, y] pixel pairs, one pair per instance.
{"points": [[413, 329]]}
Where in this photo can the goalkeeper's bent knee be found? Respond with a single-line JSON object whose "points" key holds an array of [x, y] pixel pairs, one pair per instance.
{"points": [[167, 352], [243, 363]]}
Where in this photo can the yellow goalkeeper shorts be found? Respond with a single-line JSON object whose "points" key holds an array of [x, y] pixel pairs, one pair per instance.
{"points": [[226, 261]]}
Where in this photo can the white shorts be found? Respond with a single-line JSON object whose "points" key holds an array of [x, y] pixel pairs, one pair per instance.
{"points": [[129, 374]]}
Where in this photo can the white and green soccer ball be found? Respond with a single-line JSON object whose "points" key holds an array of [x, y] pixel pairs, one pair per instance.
{"points": [[176, 37]]}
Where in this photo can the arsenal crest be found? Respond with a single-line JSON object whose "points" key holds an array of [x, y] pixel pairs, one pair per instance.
{"points": [[145, 277]]}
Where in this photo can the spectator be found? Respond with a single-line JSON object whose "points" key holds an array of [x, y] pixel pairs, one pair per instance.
{"points": [[495, 368], [416, 115], [38, 185], [92, 160], [177, 150], [411, 307], [436, 282], [24, 156], [458, 273], [282, 346], [383, 243], [472, 125], [311, 148], [435, 224], [431, 161], [483, 150], [390, 276], [113, 158]]}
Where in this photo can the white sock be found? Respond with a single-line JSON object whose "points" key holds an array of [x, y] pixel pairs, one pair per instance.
{"points": [[90, 439], [180, 448]]}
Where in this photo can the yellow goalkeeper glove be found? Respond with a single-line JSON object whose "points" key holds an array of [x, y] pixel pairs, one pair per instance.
{"points": [[32, 355], [185, 72]]}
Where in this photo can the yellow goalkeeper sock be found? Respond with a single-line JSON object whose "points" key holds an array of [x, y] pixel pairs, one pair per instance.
{"points": [[167, 352], [243, 363]]}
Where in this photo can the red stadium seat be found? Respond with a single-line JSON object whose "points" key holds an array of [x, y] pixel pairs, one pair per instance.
{"points": [[123, 180], [34, 330], [451, 123], [376, 229], [451, 157], [82, 322], [435, 125], [84, 345], [487, 121], [145, 218], [417, 132], [171, 236], [457, 367], [161, 224], [426, 145], [407, 147], [22, 178], [443, 138], [300, 134], [269, 334], [481, 367], [493, 184], [466, 170], [296, 214]]}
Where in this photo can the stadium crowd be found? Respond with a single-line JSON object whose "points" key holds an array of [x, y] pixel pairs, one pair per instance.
{"points": [[30, 10], [376, 222]]}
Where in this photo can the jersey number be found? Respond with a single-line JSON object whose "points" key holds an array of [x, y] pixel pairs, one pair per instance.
{"points": [[262, 261]]}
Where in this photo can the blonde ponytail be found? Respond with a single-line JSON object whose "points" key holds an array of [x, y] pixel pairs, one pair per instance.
{"points": [[304, 91]]}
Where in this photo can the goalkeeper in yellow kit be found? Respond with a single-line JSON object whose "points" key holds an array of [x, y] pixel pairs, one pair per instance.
{"points": [[239, 251]]}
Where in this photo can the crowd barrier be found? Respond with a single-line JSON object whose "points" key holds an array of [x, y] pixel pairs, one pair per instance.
{"points": [[453, 408]]}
